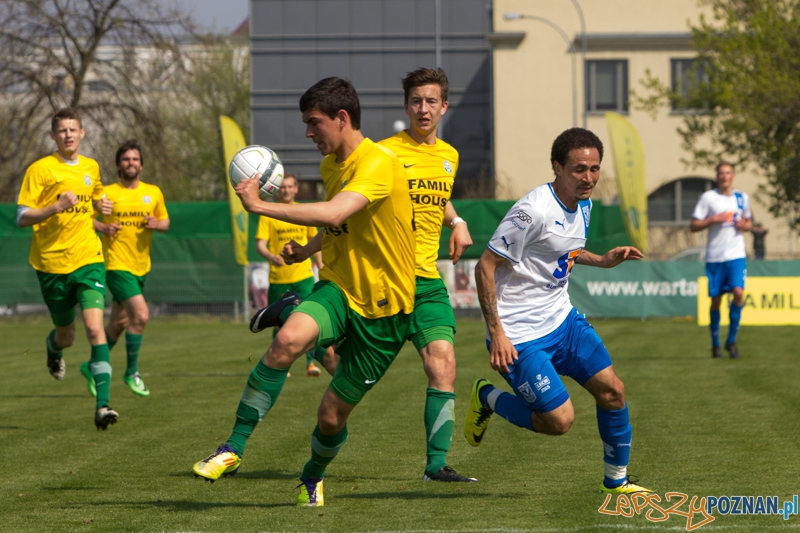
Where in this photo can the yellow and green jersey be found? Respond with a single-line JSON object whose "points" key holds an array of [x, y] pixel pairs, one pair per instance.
{"points": [[277, 233], [129, 248], [370, 256], [66, 241], [430, 171]]}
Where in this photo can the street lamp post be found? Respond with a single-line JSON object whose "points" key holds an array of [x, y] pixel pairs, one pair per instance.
{"points": [[519, 16]]}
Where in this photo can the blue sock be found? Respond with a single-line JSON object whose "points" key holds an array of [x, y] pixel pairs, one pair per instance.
{"points": [[735, 316], [615, 432], [511, 407], [714, 326]]}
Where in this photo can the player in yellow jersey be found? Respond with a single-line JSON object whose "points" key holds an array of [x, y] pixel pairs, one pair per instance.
{"points": [[431, 165], [365, 292], [139, 210], [58, 197], [271, 237]]}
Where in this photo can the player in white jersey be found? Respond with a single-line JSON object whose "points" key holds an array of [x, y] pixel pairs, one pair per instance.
{"points": [[533, 332], [726, 213]]}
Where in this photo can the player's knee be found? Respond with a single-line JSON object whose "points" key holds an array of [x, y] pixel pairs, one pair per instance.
{"points": [[614, 395], [65, 339], [141, 318], [95, 333], [561, 424]]}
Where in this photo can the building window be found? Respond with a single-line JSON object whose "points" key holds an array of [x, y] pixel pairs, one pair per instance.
{"points": [[607, 86], [672, 204], [687, 75]]}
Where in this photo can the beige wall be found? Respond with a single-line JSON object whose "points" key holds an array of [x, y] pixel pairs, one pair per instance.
{"points": [[533, 100]]}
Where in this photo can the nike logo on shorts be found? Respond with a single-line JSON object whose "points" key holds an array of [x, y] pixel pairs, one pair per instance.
{"points": [[98, 285], [370, 381]]}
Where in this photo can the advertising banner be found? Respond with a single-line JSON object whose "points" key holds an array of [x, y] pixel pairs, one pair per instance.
{"points": [[768, 301]]}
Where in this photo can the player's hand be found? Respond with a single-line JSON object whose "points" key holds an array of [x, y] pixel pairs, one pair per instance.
{"points": [[65, 201], [247, 191], [151, 222], [741, 224], [721, 218], [293, 252], [620, 254], [104, 205], [277, 260], [503, 354], [460, 240], [111, 229]]}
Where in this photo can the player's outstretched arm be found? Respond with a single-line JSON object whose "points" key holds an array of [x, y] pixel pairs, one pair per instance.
{"points": [[28, 216], [502, 353], [327, 214], [460, 239], [611, 258]]}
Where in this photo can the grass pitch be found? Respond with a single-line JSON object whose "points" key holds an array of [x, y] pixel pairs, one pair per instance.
{"points": [[701, 427]]}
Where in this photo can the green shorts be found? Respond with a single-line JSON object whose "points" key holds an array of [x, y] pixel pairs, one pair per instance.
{"points": [[62, 292], [124, 285], [371, 345], [302, 287], [433, 317]]}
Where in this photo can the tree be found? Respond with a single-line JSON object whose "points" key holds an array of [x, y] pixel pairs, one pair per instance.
{"points": [[748, 109], [79, 53]]}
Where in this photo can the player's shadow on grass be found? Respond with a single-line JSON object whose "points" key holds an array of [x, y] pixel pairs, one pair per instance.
{"points": [[258, 474], [193, 506], [416, 495], [42, 396]]}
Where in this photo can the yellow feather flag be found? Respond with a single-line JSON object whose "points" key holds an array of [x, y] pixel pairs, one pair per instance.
{"points": [[629, 165], [232, 142]]}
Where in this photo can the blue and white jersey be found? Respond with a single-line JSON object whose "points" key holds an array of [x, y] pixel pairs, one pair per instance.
{"points": [[541, 239], [725, 242]]}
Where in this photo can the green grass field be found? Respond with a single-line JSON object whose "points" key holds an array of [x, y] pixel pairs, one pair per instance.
{"points": [[701, 427]]}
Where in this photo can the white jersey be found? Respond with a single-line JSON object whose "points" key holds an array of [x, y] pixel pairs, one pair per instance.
{"points": [[541, 239], [725, 242]]}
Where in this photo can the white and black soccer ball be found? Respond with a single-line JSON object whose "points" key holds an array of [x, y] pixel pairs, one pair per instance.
{"points": [[260, 160]]}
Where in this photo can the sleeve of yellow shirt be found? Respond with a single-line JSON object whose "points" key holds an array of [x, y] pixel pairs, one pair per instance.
{"points": [[31, 189], [160, 211], [97, 192], [373, 177]]}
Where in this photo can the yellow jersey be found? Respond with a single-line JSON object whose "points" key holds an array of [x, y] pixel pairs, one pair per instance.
{"points": [[277, 233], [66, 241], [129, 248], [370, 256], [430, 171]]}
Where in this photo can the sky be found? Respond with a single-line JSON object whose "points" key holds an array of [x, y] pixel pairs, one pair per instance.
{"points": [[223, 16]]}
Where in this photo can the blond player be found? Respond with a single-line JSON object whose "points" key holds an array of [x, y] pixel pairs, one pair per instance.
{"points": [[58, 197], [139, 210]]}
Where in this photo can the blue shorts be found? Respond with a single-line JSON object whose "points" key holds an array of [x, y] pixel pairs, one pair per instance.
{"points": [[574, 349], [724, 277]]}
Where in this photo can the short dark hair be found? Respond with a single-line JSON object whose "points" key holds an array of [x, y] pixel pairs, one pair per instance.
{"points": [[131, 144], [570, 140], [425, 76], [65, 113], [288, 175], [329, 96], [725, 164]]}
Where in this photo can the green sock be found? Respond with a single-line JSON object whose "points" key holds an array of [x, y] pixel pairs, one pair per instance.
{"points": [[439, 422], [133, 342], [324, 449], [111, 342], [100, 366], [309, 358], [260, 393], [53, 349], [284, 316]]}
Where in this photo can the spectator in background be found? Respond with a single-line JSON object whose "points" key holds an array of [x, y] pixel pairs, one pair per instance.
{"points": [[759, 234]]}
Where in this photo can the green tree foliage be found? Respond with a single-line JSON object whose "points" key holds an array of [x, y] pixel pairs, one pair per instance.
{"points": [[748, 110], [179, 131]]}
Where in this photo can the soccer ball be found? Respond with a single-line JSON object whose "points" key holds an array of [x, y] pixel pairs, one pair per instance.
{"points": [[260, 160]]}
